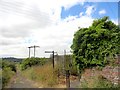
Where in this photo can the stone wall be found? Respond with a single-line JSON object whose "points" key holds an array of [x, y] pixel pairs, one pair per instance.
{"points": [[111, 73]]}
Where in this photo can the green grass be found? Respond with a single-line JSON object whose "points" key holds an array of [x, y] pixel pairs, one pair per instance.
{"points": [[42, 74]]}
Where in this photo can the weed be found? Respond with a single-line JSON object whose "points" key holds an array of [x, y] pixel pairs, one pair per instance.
{"points": [[97, 82], [42, 74]]}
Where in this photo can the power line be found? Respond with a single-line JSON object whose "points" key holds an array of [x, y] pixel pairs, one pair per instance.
{"points": [[17, 8]]}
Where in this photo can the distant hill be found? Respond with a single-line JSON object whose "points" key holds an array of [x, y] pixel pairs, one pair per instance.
{"points": [[12, 59]]}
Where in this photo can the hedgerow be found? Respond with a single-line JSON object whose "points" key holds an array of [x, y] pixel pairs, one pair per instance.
{"points": [[28, 62]]}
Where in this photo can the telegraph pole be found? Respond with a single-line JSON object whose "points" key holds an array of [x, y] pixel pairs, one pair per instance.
{"points": [[34, 49], [53, 59], [29, 51], [64, 59]]}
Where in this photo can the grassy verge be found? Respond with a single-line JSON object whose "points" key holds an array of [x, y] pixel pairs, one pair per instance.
{"points": [[7, 74], [44, 75]]}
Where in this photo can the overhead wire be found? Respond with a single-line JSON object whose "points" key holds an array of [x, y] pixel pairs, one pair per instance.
{"points": [[17, 8]]}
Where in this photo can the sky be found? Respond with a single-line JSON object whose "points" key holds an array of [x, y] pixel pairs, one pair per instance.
{"points": [[50, 24]]}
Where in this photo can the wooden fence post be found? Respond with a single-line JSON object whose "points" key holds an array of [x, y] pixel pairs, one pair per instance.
{"points": [[68, 78]]}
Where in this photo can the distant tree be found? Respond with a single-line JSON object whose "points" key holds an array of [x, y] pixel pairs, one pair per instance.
{"points": [[92, 45]]}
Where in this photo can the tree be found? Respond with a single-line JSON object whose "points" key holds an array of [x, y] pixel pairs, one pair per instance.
{"points": [[92, 45]]}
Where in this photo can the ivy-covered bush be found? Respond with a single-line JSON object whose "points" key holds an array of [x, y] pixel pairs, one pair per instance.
{"points": [[92, 45], [28, 62]]}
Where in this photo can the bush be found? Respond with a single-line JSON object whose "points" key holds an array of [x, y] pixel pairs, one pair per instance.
{"points": [[31, 62], [7, 73], [73, 70], [8, 70], [11, 65], [92, 45]]}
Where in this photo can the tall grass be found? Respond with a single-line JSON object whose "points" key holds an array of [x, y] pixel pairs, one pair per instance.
{"points": [[44, 75]]}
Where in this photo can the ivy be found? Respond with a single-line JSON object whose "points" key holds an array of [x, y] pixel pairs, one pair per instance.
{"points": [[92, 45]]}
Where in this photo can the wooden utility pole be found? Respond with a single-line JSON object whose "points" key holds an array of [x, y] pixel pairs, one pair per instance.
{"points": [[53, 59], [29, 51], [34, 49]]}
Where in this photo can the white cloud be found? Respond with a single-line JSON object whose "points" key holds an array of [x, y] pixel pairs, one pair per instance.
{"points": [[81, 14], [115, 21], [36, 22], [102, 12], [58, 38], [90, 10]]}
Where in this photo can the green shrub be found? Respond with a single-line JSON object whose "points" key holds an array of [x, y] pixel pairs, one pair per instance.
{"points": [[31, 62], [92, 45], [6, 64], [8, 70], [7, 73], [73, 70]]}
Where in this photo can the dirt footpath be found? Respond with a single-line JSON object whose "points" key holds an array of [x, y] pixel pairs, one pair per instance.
{"points": [[18, 81]]}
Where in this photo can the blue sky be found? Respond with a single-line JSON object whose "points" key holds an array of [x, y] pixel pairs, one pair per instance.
{"points": [[111, 9]]}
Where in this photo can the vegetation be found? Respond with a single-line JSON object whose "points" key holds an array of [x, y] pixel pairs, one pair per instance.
{"points": [[73, 70], [68, 64], [39, 70], [92, 45], [8, 70], [11, 65], [32, 61], [97, 82], [45, 75], [90, 48]]}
